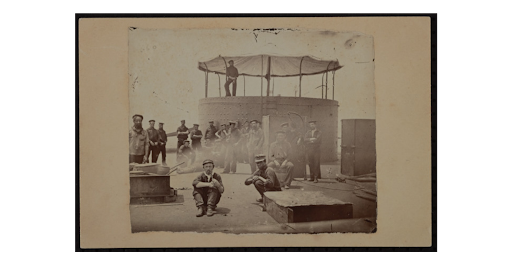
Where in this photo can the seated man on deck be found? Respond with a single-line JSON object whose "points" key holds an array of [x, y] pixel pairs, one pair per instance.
{"points": [[264, 179], [208, 189], [185, 154], [215, 153], [279, 151]]}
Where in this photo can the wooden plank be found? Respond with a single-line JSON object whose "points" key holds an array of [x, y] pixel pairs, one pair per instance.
{"points": [[304, 206], [293, 198]]}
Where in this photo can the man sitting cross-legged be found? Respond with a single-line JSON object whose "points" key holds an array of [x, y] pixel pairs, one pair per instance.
{"points": [[208, 189]]}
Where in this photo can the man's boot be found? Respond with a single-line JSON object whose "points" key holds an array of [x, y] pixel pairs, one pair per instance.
{"points": [[200, 211], [209, 212]]}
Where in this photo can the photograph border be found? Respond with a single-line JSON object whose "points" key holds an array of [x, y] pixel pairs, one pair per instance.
{"points": [[402, 84]]}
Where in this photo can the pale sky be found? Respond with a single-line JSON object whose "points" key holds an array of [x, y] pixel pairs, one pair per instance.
{"points": [[165, 83]]}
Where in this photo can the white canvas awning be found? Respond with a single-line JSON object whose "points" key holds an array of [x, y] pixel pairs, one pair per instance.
{"points": [[280, 66]]}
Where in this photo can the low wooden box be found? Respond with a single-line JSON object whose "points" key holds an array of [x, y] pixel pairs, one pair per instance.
{"points": [[151, 189]]}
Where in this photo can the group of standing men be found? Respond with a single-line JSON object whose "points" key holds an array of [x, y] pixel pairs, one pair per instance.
{"points": [[146, 142], [233, 144]]}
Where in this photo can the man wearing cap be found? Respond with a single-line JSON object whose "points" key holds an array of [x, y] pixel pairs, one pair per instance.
{"points": [[195, 136], [312, 140], [255, 143], [208, 189], [182, 134], [279, 151], [232, 140], [209, 135], [139, 141], [185, 153], [162, 141], [231, 75], [153, 141], [296, 155], [264, 179]]}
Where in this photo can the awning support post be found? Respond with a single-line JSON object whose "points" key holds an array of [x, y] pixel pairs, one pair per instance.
{"points": [[261, 90], [333, 73], [206, 85], [219, 85], [300, 77], [326, 79], [268, 80], [322, 86], [206, 81], [326, 83]]}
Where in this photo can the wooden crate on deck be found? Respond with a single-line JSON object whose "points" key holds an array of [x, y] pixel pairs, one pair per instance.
{"points": [[293, 206]]}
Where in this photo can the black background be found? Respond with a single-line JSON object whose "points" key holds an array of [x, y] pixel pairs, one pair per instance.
{"points": [[471, 132]]}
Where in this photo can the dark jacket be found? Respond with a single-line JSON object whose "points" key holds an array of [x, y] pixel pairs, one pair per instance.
{"points": [[153, 135], [210, 133], [232, 71], [197, 133], [182, 136], [307, 139], [269, 174], [162, 135]]}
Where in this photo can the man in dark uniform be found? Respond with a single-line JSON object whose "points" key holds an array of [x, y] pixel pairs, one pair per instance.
{"points": [[185, 153], [264, 179], [232, 140], [153, 141], [208, 189], [162, 141], [232, 75], [279, 153], [182, 134], [312, 140], [296, 156], [139, 141], [209, 135], [195, 136], [243, 155], [255, 144]]}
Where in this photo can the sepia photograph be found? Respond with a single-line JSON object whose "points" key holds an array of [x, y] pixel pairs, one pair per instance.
{"points": [[250, 130]]}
